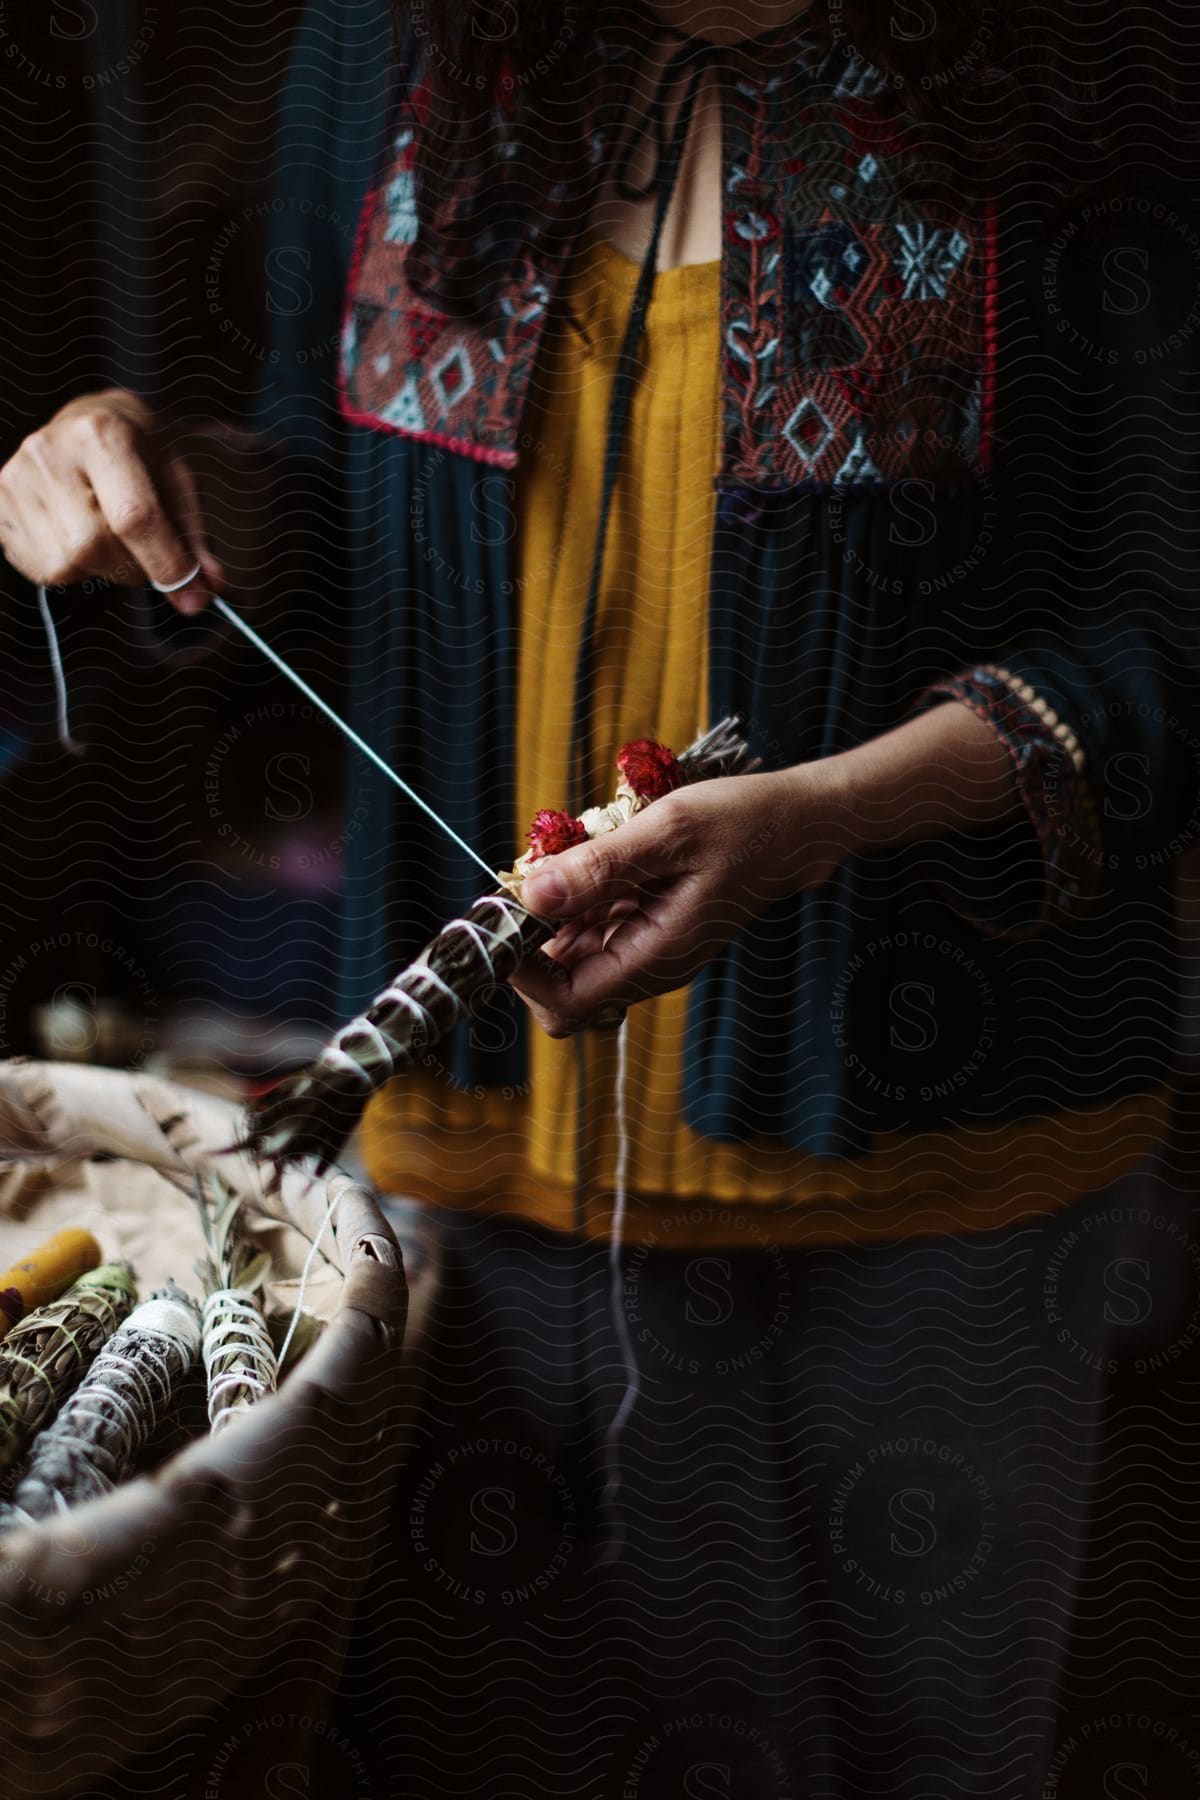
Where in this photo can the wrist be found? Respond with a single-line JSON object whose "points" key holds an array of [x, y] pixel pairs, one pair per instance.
{"points": [[821, 824]]}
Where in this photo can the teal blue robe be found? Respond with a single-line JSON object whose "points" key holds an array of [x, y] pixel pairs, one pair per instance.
{"points": [[1003, 974]]}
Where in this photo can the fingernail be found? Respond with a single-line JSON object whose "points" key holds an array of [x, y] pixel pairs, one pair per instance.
{"points": [[191, 600], [545, 893]]}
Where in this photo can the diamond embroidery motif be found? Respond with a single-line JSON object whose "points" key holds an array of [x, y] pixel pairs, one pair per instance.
{"points": [[856, 340], [453, 378], [809, 432], [925, 262], [827, 261]]}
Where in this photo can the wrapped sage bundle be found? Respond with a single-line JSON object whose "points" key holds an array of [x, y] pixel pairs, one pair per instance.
{"points": [[312, 1114], [128, 1390], [45, 1273], [239, 1356], [46, 1356]]}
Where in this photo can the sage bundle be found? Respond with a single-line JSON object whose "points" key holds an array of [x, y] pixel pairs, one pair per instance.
{"points": [[311, 1114], [127, 1392], [236, 1346], [46, 1356]]}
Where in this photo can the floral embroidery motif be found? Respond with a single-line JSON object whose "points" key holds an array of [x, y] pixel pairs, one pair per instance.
{"points": [[856, 329], [400, 224], [857, 321]]}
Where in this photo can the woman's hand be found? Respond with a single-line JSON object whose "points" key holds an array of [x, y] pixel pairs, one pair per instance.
{"points": [[93, 493], [647, 905]]}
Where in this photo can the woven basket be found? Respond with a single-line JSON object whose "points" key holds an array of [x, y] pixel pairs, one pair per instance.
{"points": [[182, 1636]]}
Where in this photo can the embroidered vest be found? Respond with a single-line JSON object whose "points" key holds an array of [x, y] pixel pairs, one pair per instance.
{"points": [[857, 322]]}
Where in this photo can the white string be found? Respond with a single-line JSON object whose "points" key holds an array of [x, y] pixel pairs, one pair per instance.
{"points": [[372, 1031], [633, 1380], [395, 994], [285, 668], [424, 972], [486, 941], [152, 1370], [232, 1319], [226, 611], [60, 679], [479, 938], [336, 1056], [173, 587], [334, 1203], [140, 1360], [509, 908]]}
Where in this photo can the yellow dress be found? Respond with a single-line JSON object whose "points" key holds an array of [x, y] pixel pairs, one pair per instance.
{"points": [[534, 1152]]}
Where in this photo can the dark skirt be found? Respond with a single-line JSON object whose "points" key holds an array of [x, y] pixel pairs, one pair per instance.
{"points": [[887, 1520]]}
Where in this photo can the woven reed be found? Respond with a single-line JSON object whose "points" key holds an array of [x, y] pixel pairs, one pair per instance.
{"points": [[211, 1599]]}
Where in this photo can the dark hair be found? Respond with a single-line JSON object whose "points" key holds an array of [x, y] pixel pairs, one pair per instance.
{"points": [[512, 88]]}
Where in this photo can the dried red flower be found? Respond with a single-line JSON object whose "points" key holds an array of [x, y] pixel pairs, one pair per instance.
{"points": [[650, 769], [554, 831]]}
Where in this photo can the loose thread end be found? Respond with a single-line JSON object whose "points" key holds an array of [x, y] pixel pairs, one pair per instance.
{"points": [[65, 738]]}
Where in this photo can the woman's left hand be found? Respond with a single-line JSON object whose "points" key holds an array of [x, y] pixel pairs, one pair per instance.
{"points": [[647, 905]]}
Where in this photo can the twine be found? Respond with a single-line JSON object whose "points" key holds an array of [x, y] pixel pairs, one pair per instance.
{"points": [[597, 822], [335, 1055], [118, 1399], [334, 1202], [66, 1336], [616, 1240], [232, 1320], [129, 1415], [62, 1336], [14, 1404], [60, 680], [223, 608]]}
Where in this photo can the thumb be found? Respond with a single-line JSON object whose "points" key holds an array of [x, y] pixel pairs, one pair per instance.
{"points": [[617, 866]]}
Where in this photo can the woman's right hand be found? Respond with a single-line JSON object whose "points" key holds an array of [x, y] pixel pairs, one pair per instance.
{"points": [[92, 493]]}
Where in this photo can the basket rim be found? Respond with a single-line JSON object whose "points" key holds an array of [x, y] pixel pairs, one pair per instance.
{"points": [[373, 1300]]}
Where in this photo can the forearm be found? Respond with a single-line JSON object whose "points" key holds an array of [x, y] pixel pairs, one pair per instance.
{"points": [[944, 770]]}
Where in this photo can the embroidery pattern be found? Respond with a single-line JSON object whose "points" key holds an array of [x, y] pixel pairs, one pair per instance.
{"points": [[409, 369], [856, 321], [857, 325], [1050, 768]]}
